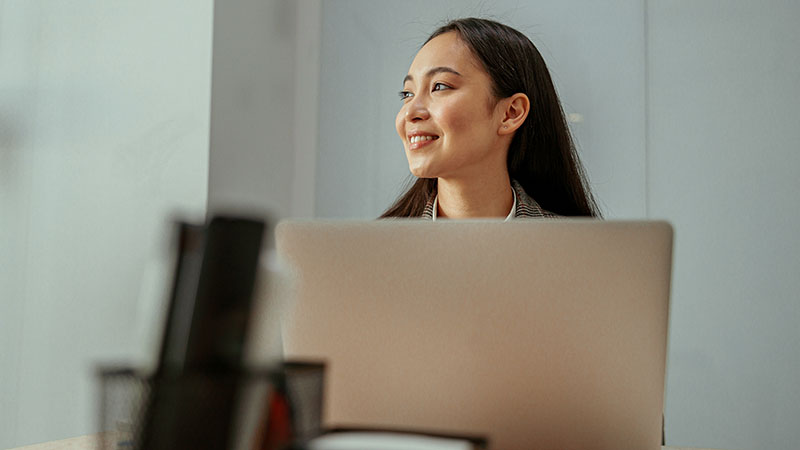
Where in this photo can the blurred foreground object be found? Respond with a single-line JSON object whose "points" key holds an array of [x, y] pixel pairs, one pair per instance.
{"points": [[192, 399]]}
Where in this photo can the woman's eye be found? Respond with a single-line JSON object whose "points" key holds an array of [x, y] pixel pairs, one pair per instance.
{"points": [[404, 95], [440, 86]]}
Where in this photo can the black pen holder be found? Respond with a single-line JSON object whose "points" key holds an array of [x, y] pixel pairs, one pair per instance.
{"points": [[271, 408]]}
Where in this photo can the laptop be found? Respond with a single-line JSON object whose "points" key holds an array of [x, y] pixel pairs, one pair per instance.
{"points": [[546, 334]]}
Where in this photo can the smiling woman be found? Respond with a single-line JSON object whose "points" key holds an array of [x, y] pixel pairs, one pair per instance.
{"points": [[484, 132]]}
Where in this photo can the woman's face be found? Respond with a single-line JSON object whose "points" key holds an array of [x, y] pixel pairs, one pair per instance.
{"points": [[449, 120]]}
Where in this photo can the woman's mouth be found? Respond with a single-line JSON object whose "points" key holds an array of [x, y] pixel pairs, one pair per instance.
{"points": [[420, 141]]}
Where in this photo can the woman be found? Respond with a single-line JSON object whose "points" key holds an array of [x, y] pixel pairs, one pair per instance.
{"points": [[484, 132]]}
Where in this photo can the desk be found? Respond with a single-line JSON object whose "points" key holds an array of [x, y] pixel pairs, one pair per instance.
{"points": [[89, 442]]}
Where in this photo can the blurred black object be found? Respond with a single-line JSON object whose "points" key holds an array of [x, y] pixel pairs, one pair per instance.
{"points": [[189, 262], [277, 408], [193, 394]]}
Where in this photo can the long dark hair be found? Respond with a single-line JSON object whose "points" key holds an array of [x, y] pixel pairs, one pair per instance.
{"points": [[542, 155]]}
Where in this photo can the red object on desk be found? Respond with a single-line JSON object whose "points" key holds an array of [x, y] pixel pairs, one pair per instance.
{"points": [[277, 432]]}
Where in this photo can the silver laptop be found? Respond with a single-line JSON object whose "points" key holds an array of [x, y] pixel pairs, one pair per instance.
{"points": [[533, 334]]}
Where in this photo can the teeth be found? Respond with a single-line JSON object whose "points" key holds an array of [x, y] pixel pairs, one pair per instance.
{"points": [[415, 139]]}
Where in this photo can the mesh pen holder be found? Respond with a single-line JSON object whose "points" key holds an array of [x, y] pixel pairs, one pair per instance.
{"points": [[211, 409], [123, 399]]}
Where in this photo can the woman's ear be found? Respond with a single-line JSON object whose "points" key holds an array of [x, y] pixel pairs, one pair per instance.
{"points": [[515, 111]]}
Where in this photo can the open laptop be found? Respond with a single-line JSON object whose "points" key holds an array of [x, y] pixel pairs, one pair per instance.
{"points": [[535, 334]]}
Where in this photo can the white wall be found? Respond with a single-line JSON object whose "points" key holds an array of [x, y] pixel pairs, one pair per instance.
{"points": [[724, 153], [103, 136], [595, 52]]}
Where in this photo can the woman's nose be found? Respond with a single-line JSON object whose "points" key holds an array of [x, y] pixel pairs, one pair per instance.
{"points": [[417, 110]]}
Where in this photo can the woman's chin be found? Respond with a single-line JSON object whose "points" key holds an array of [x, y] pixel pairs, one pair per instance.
{"points": [[422, 172]]}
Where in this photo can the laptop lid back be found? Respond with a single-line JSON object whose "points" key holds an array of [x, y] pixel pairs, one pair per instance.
{"points": [[535, 334]]}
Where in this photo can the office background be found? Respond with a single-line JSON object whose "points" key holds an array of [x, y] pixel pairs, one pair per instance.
{"points": [[117, 116]]}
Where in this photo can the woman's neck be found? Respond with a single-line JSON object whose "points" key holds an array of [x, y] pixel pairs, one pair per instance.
{"points": [[490, 196]]}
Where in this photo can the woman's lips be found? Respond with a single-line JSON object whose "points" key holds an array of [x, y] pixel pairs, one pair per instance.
{"points": [[417, 142]]}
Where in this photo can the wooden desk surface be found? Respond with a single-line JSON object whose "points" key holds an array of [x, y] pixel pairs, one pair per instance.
{"points": [[89, 442]]}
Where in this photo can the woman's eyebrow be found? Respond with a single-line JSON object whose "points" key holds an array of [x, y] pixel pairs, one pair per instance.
{"points": [[432, 72]]}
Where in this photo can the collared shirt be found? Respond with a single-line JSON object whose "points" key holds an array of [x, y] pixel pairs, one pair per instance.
{"points": [[524, 206], [508, 217]]}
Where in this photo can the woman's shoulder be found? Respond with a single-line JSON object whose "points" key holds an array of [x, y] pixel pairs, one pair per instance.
{"points": [[527, 207]]}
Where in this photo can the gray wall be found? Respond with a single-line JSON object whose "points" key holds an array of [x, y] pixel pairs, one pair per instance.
{"points": [[252, 107], [724, 159], [103, 137], [687, 116], [264, 107]]}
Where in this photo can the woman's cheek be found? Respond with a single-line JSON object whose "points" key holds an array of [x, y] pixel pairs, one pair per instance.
{"points": [[457, 114], [399, 124]]}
